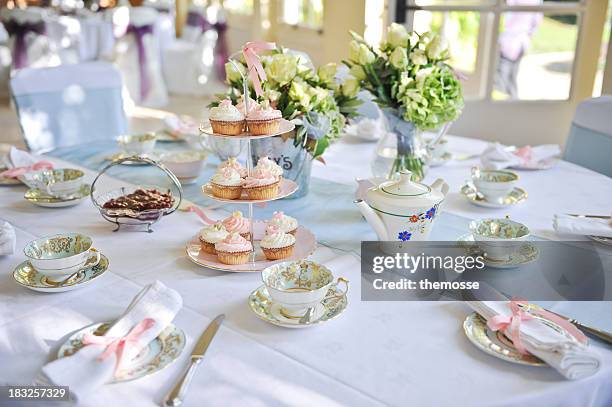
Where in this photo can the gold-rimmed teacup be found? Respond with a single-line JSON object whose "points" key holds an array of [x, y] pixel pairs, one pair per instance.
{"points": [[298, 286], [495, 185]]}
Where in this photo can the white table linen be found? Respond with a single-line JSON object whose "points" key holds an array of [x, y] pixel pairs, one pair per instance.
{"points": [[377, 353], [8, 239]]}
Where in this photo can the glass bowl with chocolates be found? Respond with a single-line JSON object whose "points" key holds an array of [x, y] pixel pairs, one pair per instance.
{"points": [[136, 204]]}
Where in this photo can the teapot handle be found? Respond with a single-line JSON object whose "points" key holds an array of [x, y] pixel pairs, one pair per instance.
{"points": [[441, 186]]}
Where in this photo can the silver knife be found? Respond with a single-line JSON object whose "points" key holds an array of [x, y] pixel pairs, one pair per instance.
{"points": [[177, 395]]}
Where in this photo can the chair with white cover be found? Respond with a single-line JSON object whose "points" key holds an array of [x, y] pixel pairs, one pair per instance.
{"points": [[590, 140], [137, 54], [28, 40], [68, 104]]}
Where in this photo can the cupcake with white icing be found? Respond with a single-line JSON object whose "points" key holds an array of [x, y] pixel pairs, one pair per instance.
{"points": [[264, 163], [233, 163], [284, 222], [211, 235], [276, 244], [227, 119], [226, 184]]}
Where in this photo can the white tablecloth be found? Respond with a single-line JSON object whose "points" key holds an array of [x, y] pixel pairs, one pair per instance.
{"points": [[377, 353]]}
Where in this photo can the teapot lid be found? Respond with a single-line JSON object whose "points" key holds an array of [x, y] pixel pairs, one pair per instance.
{"points": [[404, 187]]}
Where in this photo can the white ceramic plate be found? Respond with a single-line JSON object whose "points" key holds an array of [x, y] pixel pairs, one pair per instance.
{"points": [[160, 352], [286, 188], [305, 245], [285, 127]]}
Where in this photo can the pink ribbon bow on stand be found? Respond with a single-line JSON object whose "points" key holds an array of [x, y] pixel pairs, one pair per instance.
{"points": [[118, 345], [512, 323], [17, 171], [254, 67]]}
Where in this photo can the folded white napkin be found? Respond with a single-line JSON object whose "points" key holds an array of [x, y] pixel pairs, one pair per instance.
{"points": [[366, 129], [20, 158], [497, 156], [569, 357], [8, 240], [179, 126], [582, 226], [83, 372]]}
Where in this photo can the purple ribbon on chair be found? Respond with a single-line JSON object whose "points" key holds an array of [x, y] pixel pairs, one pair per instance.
{"points": [[195, 19], [139, 33], [18, 31]]}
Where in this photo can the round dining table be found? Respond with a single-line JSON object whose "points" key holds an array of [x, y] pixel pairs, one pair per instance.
{"points": [[376, 353]]}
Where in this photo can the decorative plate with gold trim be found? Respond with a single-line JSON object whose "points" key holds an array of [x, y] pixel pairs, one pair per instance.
{"points": [[41, 198], [26, 276], [160, 352]]}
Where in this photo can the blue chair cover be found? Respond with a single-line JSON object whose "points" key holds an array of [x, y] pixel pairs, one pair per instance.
{"points": [[590, 140], [69, 104]]}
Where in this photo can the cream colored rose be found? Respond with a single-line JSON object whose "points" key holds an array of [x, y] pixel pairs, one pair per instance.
{"points": [[232, 74], [437, 47], [397, 36], [418, 57], [327, 72], [354, 51], [298, 93], [282, 68], [350, 87], [365, 55], [358, 72], [399, 58]]}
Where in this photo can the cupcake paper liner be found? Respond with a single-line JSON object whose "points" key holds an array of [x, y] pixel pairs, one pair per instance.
{"points": [[261, 127], [278, 253], [227, 128], [262, 192], [233, 258], [226, 192], [207, 247]]}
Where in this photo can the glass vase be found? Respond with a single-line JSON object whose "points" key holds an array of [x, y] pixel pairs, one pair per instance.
{"points": [[401, 148]]}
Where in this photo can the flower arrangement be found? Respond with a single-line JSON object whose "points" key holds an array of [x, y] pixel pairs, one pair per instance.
{"points": [[312, 99], [410, 80]]}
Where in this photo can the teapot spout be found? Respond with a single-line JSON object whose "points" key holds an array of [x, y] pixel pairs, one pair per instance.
{"points": [[373, 219]]}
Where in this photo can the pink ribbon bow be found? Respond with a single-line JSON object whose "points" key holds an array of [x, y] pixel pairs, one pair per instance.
{"points": [[118, 345], [256, 71], [200, 214], [17, 171], [512, 323]]}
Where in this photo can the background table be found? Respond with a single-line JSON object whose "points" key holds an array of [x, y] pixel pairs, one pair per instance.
{"points": [[377, 353]]}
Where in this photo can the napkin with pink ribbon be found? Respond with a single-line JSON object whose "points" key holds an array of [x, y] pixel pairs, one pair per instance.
{"points": [[497, 156], [21, 162], [582, 226], [180, 126], [149, 313], [566, 352]]}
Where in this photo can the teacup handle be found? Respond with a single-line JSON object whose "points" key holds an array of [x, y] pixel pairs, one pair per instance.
{"points": [[96, 254], [346, 288]]}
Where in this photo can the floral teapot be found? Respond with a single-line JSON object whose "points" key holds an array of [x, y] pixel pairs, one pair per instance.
{"points": [[402, 209]]}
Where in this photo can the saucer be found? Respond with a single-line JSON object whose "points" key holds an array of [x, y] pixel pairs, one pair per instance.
{"points": [[496, 343], [121, 155], [160, 352], [528, 253], [443, 159], [516, 196], [263, 307], [26, 276], [41, 198]]}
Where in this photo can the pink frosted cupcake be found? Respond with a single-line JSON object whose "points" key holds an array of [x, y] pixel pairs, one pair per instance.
{"points": [[234, 249], [264, 120], [261, 184], [236, 223], [284, 222], [226, 119], [252, 105], [264, 163], [233, 163]]}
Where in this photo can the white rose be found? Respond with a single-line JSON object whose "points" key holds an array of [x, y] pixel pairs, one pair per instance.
{"points": [[418, 57], [397, 36], [365, 55], [232, 74], [399, 58], [327, 72], [358, 72], [354, 51], [350, 87], [437, 47], [422, 74]]}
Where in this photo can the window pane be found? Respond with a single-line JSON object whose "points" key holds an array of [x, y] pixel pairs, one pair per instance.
{"points": [[536, 53], [460, 28], [601, 63], [239, 6], [305, 13]]}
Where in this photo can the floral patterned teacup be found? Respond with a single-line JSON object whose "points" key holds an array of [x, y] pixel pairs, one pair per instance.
{"points": [[495, 185], [297, 286], [498, 237], [59, 256], [58, 182]]}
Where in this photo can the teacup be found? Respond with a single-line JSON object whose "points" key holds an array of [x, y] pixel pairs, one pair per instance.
{"points": [[298, 286], [137, 144], [498, 237], [495, 185], [60, 255], [58, 182]]}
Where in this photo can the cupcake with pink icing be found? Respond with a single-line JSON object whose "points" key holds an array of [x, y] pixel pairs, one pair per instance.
{"points": [[284, 222], [276, 244], [226, 184], [236, 223], [234, 249], [233, 163], [227, 119], [261, 184], [252, 105], [264, 163], [264, 120]]}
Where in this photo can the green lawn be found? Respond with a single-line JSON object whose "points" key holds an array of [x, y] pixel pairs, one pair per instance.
{"points": [[553, 36]]}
